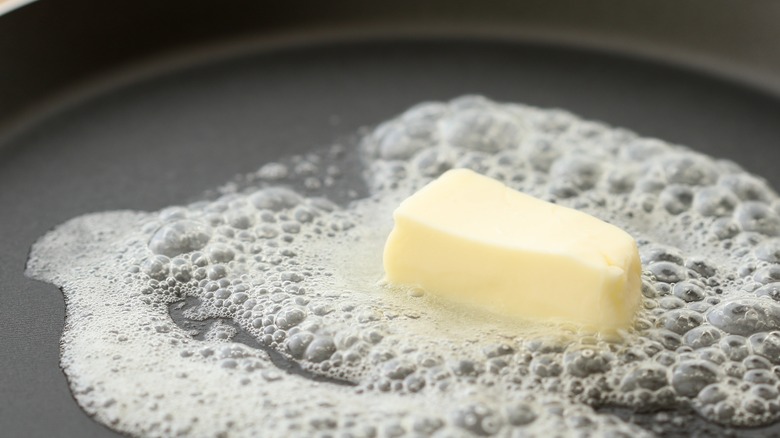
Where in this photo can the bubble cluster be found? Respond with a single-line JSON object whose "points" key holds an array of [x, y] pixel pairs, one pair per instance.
{"points": [[261, 310]]}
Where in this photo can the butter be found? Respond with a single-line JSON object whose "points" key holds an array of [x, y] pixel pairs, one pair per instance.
{"points": [[473, 240]]}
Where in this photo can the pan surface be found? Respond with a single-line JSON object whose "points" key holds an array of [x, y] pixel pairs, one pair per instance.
{"points": [[159, 133]]}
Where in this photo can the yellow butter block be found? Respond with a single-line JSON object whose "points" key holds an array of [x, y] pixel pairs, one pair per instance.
{"points": [[471, 239]]}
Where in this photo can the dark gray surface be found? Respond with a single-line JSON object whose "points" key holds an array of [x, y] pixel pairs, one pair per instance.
{"points": [[161, 141], [150, 143]]}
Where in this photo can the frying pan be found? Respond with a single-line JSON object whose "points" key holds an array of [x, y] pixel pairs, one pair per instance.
{"points": [[144, 104]]}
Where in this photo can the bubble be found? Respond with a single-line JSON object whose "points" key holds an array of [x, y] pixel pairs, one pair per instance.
{"points": [[650, 183], [745, 316], [768, 250], [735, 347], [320, 349], [273, 171], [181, 269], [689, 291], [759, 375], [680, 321], [290, 317], [498, 350], [429, 163], [400, 141], [478, 419], [690, 377], [676, 198], [712, 354], [701, 266], [199, 259], [582, 362], [545, 366], [689, 170], [414, 383], [746, 187], [667, 338], [222, 294], [520, 413], [724, 228], [667, 272], [764, 391], [215, 272], [715, 201], [646, 376], [157, 267], [220, 253], [427, 425], [768, 274], [767, 345], [771, 290], [581, 173], [541, 154], [658, 253], [480, 131], [701, 336], [179, 237], [758, 217], [240, 220], [621, 180], [304, 215], [275, 199], [297, 343]]}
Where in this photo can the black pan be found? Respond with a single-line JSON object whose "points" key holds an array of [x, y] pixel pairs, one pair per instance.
{"points": [[142, 104]]}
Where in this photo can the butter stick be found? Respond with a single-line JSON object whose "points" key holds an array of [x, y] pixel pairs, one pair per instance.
{"points": [[471, 239]]}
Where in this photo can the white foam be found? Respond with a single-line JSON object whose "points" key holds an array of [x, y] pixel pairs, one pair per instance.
{"points": [[283, 328]]}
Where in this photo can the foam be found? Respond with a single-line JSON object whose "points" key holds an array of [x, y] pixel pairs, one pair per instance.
{"points": [[282, 327]]}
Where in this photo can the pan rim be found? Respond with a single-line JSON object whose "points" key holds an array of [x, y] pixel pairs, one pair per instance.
{"points": [[221, 50]]}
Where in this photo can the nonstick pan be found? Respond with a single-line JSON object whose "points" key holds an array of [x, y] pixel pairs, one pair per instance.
{"points": [[144, 104]]}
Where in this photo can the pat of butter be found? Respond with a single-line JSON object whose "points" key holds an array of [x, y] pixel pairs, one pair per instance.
{"points": [[471, 239]]}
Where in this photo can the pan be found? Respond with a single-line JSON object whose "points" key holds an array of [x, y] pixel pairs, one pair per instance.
{"points": [[139, 105]]}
